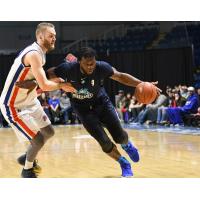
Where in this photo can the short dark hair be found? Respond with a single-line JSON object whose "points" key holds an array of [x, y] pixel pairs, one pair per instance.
{"points": [[86, 52]]}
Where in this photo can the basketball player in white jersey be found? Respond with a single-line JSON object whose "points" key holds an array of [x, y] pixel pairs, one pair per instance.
{"points": [[21, 107]]}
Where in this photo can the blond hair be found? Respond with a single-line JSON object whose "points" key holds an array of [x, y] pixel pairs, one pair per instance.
{"points": [[41, 27]]}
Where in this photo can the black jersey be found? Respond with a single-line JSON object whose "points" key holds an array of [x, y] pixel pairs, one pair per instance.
{"points": [[90, 90]]}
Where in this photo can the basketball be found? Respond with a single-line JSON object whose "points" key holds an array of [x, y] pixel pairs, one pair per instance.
{"points": [[145, 93]]}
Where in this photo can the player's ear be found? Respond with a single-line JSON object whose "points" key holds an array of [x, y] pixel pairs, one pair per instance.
{"points": [[41, 36]]}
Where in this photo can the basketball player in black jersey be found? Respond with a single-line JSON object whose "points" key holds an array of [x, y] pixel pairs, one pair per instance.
{"points": [[93, 106]]}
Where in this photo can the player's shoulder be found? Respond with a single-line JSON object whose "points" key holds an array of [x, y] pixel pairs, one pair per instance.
{"points": [[69, 65], [102, 64], [31, 51], [34, 48]]}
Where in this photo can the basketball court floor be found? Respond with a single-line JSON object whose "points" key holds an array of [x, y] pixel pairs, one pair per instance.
{"points": [[73, 153]]}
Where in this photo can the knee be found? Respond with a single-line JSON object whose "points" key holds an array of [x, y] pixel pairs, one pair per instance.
{"points": [[48, 132], [38, 140], [122, 138], [51, 132], [107, 146]]}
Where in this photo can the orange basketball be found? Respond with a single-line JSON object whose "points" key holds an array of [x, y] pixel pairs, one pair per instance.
{"points": [[145, 93]]}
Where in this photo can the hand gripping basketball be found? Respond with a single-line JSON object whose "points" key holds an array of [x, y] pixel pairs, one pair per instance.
{"points": [[146, 92]]}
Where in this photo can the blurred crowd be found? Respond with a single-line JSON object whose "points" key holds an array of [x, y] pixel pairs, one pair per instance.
{"points": [[177, 106], [56, 105]]}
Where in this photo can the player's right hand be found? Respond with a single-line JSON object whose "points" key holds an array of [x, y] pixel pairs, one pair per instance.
{"points": [[158, 89], [67, 87]]}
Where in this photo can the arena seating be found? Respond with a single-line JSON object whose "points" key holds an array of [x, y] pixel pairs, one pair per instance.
{"points": [[183, 35], [134, 39]]}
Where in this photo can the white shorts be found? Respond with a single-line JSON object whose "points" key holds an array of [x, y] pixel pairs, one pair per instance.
{"points": [[26, 122]]}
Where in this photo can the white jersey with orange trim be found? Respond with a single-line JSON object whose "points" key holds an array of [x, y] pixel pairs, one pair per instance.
{"points": [[13, 96], [22, 110]]}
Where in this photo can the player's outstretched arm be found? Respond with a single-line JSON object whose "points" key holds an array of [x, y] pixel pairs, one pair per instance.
{"points": [[125, 78], [35, 61], [128, 79], [52, 76]]}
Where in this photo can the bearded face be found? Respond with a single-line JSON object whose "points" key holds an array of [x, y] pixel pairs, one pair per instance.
{"points": [[49, 39], [49, 45]]}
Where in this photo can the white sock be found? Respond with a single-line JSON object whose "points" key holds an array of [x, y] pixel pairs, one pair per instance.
{"points": [[28, 165]]}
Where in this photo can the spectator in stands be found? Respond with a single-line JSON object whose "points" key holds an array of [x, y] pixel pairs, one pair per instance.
{"points": [[178, 100], [119, 99], [149, 114], [193, 119], [56, 93], [198, 92], [66, 108], [134, 108], [54, 104], [125, 107], [184, 92], [168, 88], [174, 100], [43, 98], [176, 114]]}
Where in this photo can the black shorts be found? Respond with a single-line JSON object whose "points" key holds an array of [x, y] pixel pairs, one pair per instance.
{"points": [[95, 117]]}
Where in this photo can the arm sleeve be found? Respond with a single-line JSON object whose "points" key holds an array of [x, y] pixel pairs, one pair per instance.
{"points": [[61, 70], [106, 69]]}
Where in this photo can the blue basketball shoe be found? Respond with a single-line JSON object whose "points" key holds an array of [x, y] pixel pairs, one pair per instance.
{"points": [[131, 151], [126, 167]]}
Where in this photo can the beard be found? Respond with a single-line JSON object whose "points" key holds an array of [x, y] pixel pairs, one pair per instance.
{"points": [[48, 45]]}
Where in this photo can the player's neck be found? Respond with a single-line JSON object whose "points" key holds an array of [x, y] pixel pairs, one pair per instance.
{"points": [[42, 47]]}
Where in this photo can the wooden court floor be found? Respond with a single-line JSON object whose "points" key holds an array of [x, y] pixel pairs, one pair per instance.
{"points": [[72, 153]]}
